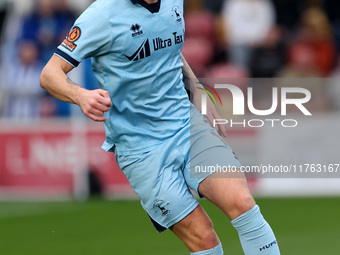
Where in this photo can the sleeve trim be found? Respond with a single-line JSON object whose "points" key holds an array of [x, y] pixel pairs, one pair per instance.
{"points": [[66, 57]]}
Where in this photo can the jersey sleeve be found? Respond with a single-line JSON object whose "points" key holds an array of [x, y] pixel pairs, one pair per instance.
{"points": [[90, 36]]}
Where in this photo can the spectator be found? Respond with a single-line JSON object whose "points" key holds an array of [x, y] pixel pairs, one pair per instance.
{"points": [[21, 84], [46, 26], [199, 53], [213, 6], [302, 64], [247, 23], [288, 13], [66, 16], [332, 9], [315, 34], [269, 57], [311, 55], [200, 40], [323, 42]]}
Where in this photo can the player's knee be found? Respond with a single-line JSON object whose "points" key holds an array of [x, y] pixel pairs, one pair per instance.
{"points": [[245, 204], [206, 235], [208, 240], [241, 205]]}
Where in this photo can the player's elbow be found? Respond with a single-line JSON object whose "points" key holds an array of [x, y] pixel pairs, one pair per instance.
{"points": [[45, 77]]}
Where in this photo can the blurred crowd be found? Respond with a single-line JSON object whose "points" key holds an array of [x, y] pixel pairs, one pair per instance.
{"points": [[29, 39], [224, 39]]}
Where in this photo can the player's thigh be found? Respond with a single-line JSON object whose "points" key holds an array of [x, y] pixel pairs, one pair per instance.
{"points": [[196, 231], [213, 169], [158, 180], [229, 193], [209, 153]]}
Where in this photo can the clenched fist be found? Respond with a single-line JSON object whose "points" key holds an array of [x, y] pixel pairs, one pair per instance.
{"points": [[94, 103]]}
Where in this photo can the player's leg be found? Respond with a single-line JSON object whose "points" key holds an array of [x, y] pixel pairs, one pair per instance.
{"points": [[197, 233], [232, 196], [210, 154], [157, 178]]}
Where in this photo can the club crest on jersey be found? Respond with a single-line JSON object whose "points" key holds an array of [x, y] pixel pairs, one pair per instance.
{"points": [[136, 29], [177, 14], [69, 42]]}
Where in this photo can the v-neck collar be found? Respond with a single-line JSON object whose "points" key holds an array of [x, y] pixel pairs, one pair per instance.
{"points": [[153, 8]]}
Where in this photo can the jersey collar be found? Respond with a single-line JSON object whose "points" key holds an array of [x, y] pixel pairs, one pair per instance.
{"points": [[153, 8]]}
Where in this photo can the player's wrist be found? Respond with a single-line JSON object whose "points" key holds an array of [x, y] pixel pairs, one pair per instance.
{"points": [[78, 93]]}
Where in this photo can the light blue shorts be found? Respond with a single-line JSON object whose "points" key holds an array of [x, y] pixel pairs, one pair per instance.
{"points": [[162, 176]]}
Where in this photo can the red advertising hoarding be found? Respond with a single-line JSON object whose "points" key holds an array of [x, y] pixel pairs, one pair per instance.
{"points": [[45, 158]]}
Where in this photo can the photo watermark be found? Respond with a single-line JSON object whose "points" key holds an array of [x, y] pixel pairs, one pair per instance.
{"points": [[239, 99], [278, 128]]}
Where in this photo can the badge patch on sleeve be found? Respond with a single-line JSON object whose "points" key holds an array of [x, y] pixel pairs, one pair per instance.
{"points": [[69, 42]]}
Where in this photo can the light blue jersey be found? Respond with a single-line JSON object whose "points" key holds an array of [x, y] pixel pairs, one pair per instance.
{"points": [[135, 50], [157, 136]]}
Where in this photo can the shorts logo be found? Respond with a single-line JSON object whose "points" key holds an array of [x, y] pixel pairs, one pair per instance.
{"points": [[136, 29], [74, 35], [176, 13], [160, 205]]}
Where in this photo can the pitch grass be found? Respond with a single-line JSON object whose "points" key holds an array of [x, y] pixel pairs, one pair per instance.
{"points": [[99, 227]]}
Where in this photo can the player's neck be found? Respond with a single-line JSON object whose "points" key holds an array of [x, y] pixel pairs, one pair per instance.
{"points": [[151, 1]]}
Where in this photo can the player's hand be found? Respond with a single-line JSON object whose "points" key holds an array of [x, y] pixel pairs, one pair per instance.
{"points": [[94, 103], [212, 113]]}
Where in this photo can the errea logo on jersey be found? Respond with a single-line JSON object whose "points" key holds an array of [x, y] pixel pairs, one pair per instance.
{"points": [[136, 29]]}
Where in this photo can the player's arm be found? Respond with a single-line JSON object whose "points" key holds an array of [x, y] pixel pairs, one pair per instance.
{"points": [[193, 84], [54, 79]]}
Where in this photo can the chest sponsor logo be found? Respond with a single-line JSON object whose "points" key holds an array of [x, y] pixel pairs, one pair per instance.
{"points": [[142, 52], [158, 43]]}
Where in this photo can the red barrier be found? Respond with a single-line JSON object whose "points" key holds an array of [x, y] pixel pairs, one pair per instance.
{"points": [[45, 157], [42, 160]]}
